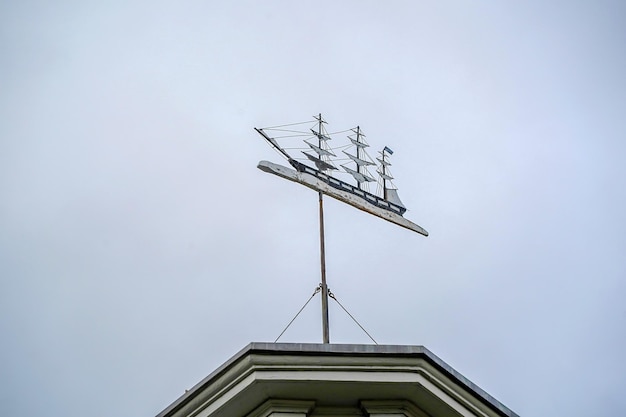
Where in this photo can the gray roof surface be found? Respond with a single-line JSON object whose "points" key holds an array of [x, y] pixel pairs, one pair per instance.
{"points": [[347, 350]]}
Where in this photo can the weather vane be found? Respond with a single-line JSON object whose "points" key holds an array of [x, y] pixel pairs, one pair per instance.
{"points": [[383, 203]]}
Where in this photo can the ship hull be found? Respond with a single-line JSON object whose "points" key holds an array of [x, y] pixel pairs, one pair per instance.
{"points": [[317, 184]]}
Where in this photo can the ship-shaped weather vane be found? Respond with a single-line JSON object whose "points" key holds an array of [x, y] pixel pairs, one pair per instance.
{"points": [[322, 175]]}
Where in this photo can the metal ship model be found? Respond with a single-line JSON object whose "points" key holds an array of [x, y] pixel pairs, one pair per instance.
{"points": [[322, 174]]}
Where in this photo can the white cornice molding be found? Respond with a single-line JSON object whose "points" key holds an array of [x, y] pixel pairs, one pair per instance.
{"points": [[283, 408], [391, 408]]}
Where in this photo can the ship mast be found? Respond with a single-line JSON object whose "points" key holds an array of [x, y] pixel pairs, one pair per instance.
{"points": [[383, 177], [359, 153], [384, 173], [323, 285]]}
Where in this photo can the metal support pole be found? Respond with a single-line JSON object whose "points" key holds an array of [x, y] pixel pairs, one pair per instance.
{"points": [[325, 328]]}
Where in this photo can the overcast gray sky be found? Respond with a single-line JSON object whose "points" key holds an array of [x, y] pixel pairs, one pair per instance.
{"points": [[140, 247]]}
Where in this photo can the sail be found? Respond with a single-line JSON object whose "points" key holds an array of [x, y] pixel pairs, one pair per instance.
{"points": [[391, 195], [358, 143], [359, 177], [384, 162], [320, 151], [384, 175], [321, 136], [359, 161], [319, 163]]}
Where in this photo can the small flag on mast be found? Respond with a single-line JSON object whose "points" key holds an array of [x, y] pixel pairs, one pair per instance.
{"points": [[388, 150]]}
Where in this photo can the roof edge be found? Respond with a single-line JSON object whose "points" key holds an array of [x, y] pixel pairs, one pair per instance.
{"points": [[341, 350]]}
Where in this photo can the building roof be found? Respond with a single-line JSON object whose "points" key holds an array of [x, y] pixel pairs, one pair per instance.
{"points": [[334, 374]]}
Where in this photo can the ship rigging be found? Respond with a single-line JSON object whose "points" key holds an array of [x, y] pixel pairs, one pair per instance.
{"points": [[317, 164]]}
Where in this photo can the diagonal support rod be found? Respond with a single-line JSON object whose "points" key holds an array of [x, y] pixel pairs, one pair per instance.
{"points": [[298, 313], [352, 317]]}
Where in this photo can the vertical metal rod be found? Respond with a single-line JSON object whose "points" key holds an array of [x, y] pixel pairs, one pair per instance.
{"points": [[325, 327]]}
